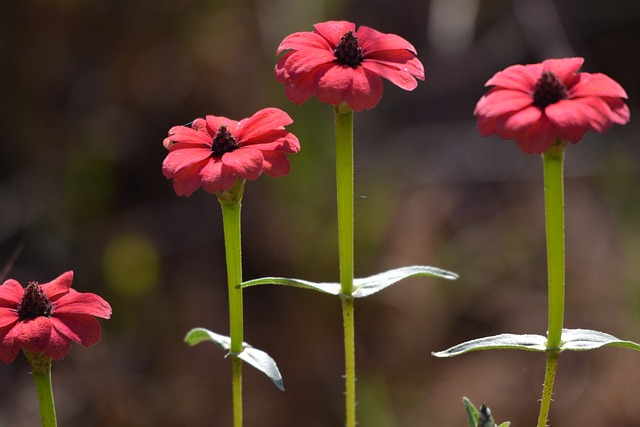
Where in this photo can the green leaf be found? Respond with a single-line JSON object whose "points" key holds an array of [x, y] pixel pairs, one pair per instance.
{"points": [[254, 357], [372, 284], [505, 424], [585, 339], [472, 412], [362, 287], [527, 342]]}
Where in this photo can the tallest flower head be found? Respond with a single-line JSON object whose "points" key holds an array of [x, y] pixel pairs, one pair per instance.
{"points": [[340, 64]]}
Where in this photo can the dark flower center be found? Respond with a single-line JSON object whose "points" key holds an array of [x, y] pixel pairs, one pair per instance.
{"points": [[348, 51], [549, 90], [223, 142], [34, 303]]}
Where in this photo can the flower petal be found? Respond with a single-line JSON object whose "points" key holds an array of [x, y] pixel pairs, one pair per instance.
{"points": [[187, 135], [365, 91], [401, 60], [564, 68], [9, 347], [280, 140], [214, 123], [11, 293], [245, 162], [294, 65], [8, 316], [501, 101], [517, 77], [537, 138], [333, 83], [59, 286], [82, 303], [398, 77], [371, 40], [83, 329], [275, 163], [300, 90], [332, 31], [596, 85], [32, 335], [261, 122], [180, 159], [58, 345], [187, 181], [304, 40], [215, 177]]}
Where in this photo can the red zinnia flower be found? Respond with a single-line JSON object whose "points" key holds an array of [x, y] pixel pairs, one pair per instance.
{"points": [[213, 153], [538, 103], [340, 64], [47, 318]]}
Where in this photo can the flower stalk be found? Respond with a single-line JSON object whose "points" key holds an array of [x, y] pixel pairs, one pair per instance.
{"points": [[344, 182], [231, 201], [41, 371], [553, 160]]}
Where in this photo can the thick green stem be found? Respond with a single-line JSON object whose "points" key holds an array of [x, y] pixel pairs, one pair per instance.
{"points": [[344, 183], [554, 215], [553, 160], [41, 371], [231, 203]]}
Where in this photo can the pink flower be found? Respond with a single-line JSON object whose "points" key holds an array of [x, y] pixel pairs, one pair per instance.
{"points": [[342, 65], [47, 318], [213, 153], [539, 103]]}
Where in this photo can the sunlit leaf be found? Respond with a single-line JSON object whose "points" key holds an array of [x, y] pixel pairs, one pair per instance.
{"points": [[472, 412], [529, 342], [585, 339], [361, 287], [480, 418], [254, 357]]}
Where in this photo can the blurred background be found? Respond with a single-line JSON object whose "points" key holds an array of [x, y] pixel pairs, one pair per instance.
{"points": [[88, 91]]}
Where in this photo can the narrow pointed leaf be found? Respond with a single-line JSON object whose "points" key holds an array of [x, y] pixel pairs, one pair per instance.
{"points": [[327, 288], [264, 363], [372, 284], [254, 357], [505, 424], [585, 339], [362, 287], [472, 412], [529, 342]]}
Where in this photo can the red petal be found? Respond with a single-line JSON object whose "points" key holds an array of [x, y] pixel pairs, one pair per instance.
{"points": [[334, 30], [371, 40], [300, 90], [333, 83], [619, 111], [522, 119], [58, 346], [187, 181], [538, 137], [564, 68], [586, 113], [59, 286], [304, 40], [187, 135], [82, 303], [517, 77], [33, 335], [82, 329], [501, 101], [180, 159], [275, 140], [366, 90], [9, 347], [400, 60], [301, 62], [214, 123], [596, 85], [400, 78], [245, 162], [261, 122], [215, 177], [11, 293], [275, 163], [8, 316]]}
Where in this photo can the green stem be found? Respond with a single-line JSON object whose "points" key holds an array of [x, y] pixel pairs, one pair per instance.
{"points": [[344, 182], [553, 160], [230, 201], [554, 215], [41, 371], [547, 390]]}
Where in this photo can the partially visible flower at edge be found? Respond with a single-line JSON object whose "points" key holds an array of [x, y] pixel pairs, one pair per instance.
{"points": [[340, 64], [214, 152], [538, 103], [47, 318]]}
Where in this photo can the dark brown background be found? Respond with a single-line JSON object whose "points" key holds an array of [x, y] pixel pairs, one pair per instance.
{"points": [[88, 92]]}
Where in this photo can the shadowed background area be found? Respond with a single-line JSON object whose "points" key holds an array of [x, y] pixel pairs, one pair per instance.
{"points": [[90, 88]]}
